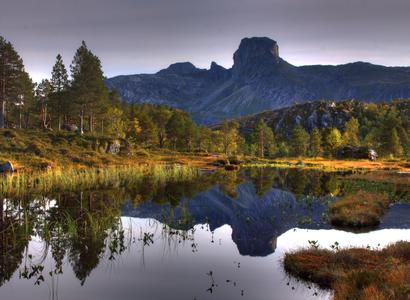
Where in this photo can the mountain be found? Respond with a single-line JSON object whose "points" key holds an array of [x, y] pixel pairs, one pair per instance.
{"points": [[259, 80]]}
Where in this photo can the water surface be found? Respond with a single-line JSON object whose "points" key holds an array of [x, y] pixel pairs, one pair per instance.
{"points": [[221, 236]]}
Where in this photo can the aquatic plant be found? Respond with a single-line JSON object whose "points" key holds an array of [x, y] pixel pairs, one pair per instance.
{"points": [[86, 179]]}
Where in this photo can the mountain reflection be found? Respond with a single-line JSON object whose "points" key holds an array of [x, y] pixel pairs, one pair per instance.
{"points": [[259, 205]]}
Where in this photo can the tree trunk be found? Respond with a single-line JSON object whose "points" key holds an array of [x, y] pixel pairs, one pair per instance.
{"points": [[59, 122], [3, 97], [91, 123], [82, 121], [3, 115]]}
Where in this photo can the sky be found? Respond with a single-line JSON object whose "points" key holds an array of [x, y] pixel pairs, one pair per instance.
{"points": [[144, 36]]}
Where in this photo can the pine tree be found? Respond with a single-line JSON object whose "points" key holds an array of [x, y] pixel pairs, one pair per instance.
{"points": [[149, 131], [59, 98], [351, 134], [13, 78], [175, 129], [263, 137], [43, 92], [315, 143], [161, 117], [300, 141], [88, 87]]}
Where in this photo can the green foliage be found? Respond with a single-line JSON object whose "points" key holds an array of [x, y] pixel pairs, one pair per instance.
{"points": [[88, 89], [231, 138], [333, 140], [16, 88], [264, 139], [351, 134], [315, 143], [300, 141]]}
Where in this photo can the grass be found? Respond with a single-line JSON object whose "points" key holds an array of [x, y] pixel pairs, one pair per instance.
{"points": [[362, 209], [37, 150], [92, 178], [355, 273]]}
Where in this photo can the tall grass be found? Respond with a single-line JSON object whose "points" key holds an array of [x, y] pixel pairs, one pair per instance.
{"points": [[86, 179]]}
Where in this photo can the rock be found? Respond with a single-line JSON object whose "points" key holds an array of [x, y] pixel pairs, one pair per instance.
{"points": [[357, 152], [70, 127], [6, 167], [114, 147]]}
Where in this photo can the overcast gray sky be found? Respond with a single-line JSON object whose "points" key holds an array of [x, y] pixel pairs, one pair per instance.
{"points": [[143, 36]]}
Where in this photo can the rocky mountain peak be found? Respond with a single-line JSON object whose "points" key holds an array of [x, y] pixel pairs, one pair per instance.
{"points": [[217, 72], [255, 56], [181, 68]]}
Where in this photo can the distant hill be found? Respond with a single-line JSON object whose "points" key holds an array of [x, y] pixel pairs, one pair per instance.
{"points": [[319, 114], [260, 80]]}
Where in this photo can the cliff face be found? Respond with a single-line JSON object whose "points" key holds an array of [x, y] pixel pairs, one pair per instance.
{"points": [[259, 80]]}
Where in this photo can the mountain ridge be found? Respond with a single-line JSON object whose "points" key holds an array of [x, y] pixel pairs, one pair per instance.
{"points": [[259, 80]]}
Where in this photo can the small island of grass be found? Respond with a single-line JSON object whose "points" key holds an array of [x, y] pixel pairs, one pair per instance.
{"points": [[355, 273], [362, 209]]}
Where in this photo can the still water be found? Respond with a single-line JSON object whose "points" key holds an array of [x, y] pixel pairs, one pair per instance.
{"points": [[221, 236]]}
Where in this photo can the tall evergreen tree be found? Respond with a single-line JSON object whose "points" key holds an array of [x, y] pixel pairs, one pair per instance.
{"points": [[263, 137], [88, 87], [12, 78], [315, 143], [300, 141], [43, 92], [59, 103], [175, 129]]}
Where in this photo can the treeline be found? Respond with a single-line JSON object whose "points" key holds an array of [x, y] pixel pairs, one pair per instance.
{"points": [[382, 127], [81, 102]]}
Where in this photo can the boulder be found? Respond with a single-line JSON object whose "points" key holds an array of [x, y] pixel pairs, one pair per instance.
{"points": [[114, 147], [357, 152], [70, 127], [6, 167]]}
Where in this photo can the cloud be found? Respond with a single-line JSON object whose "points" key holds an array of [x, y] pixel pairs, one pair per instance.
{"points": [[133, 36]]}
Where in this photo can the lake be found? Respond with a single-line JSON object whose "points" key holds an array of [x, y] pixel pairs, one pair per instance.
{"points": [[219, 236]]}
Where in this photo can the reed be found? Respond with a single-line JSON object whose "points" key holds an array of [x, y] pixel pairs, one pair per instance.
{"points": [[93, 178]]}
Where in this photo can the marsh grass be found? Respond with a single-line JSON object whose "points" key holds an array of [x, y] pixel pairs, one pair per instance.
{"points": [[355, 273], [358, 210], [87, 179]]}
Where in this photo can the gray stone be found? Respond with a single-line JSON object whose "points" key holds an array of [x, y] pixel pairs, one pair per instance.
{"points": [[114, 147], [70, 127], [6, 167]]}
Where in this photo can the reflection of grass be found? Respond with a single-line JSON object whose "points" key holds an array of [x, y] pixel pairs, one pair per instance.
{"points": [[359, 210], [356, 273], [75, 179]]}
